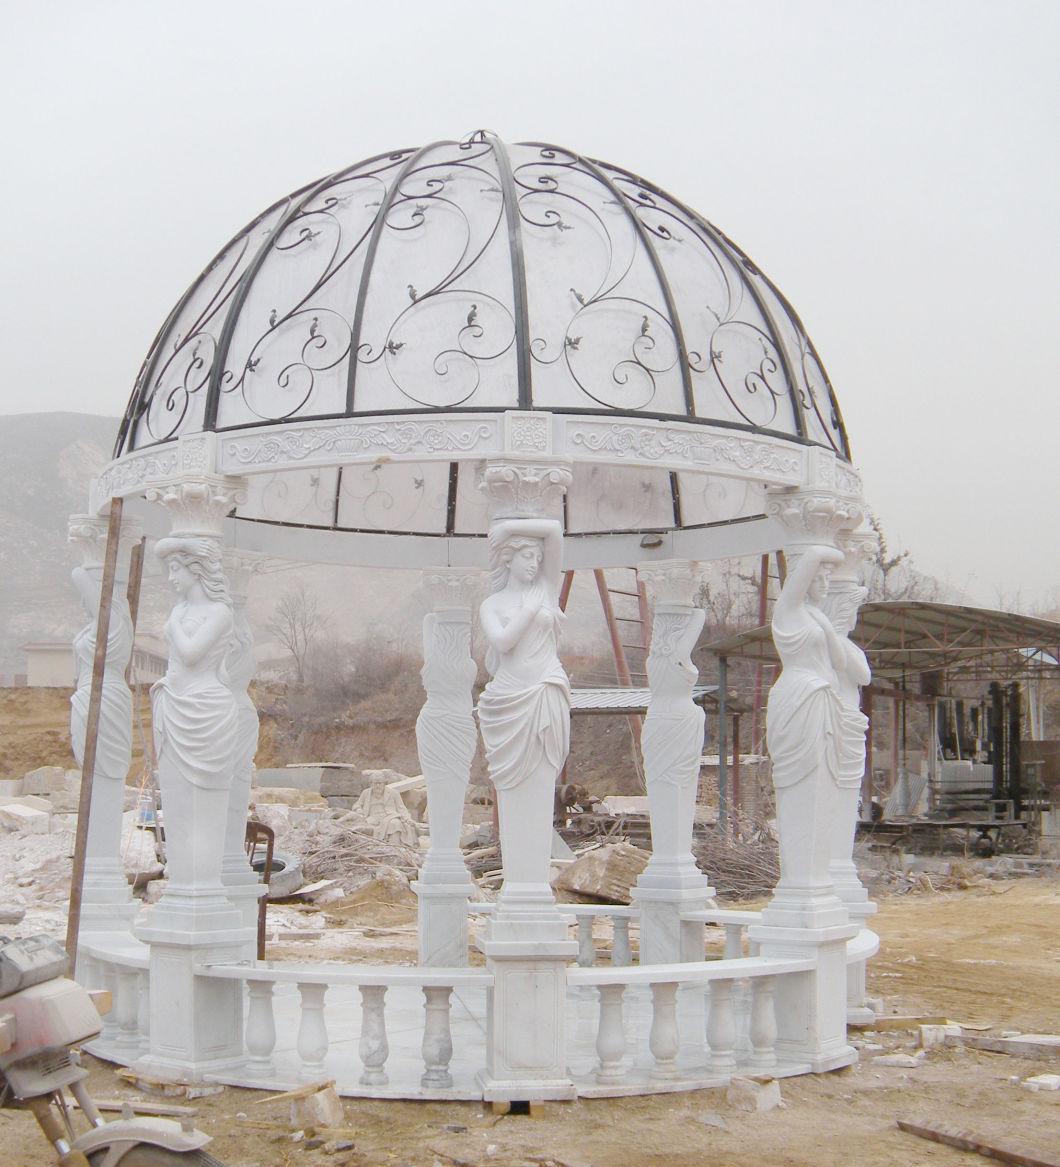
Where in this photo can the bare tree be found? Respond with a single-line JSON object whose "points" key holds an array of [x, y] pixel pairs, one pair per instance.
{"points": [[298, 625], [893, 576]]}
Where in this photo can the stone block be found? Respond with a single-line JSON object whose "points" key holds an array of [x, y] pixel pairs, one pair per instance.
{"points": [[342, 783], [322, 1108], [288, 796], [44, 780], [11, 787], [1042, 1082], [31, 800], [929, 1036], [290, 777], [14, 817], [606, 873], [904, 1061], [756, 1094]]}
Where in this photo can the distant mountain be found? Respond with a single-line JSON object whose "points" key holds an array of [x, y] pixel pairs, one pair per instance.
{"points": [[46, 462]]}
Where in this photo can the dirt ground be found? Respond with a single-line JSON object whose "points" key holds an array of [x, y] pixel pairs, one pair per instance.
{"points": [[988, 955]]}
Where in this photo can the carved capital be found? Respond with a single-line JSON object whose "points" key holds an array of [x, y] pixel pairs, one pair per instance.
{"points": [[451, 587], [813, 516], [859, 549], [524, 489], [199, 504], [88, 533], [669, 581]]}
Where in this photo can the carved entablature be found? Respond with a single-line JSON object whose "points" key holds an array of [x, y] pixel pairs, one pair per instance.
{"points": [[524, 488], [669, 581], [131, 474], [333, 443], [689, 447], [528, 434], [199, 504], [89, 534]]}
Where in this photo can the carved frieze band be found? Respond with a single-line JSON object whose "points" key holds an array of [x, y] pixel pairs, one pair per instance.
{"points": [[691, 447], [360, 441]]}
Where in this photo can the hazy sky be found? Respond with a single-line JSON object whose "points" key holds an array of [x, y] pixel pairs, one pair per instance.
{"points": [[893, 166]]}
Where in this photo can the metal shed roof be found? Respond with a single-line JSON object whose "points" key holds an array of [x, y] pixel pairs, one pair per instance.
{"points": [[914, 636]]}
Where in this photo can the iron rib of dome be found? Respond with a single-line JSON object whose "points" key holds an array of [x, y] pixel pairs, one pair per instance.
{"points": [[833, 431]]}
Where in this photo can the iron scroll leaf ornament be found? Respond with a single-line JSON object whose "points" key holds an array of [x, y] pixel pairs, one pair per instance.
{"points": [[434, 194], [663, 316]]}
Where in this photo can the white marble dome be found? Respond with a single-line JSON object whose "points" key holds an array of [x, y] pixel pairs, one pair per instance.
{"points": [[353, 345]]}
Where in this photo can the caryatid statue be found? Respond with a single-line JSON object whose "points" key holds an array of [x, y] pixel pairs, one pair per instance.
{"points": [[524, 710], [195, 715], [816, 737]]}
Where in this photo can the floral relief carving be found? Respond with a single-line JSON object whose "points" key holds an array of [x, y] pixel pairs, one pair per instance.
{"points": [[353, 439], [672, 444]]}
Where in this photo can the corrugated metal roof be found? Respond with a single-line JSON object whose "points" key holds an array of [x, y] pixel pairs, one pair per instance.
{"points": [[613, 699], [913, 636]]}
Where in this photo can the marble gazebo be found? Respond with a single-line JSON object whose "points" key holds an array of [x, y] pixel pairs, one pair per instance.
{"points": [[466, 357]]}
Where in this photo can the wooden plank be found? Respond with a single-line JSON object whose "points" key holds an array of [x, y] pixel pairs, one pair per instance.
{"points": [[95, 704], [1004, 1152]]}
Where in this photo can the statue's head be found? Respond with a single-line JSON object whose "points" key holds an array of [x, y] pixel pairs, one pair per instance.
{"points": [[192, 560], [518, 557]]}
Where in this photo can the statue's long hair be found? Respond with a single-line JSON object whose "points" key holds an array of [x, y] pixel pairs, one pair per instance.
{"points": [[502, 552], [202, 557]]}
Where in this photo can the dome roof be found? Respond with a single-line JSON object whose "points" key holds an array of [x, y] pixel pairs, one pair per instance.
{"points": [[477, 277]]}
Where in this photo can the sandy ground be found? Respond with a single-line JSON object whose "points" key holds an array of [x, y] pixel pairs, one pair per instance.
{"points": [[989, 955]]}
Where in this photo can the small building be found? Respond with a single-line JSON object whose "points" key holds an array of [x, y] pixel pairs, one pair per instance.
{"points": [[50, 663]]}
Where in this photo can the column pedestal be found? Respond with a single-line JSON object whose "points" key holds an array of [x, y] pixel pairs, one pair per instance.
{"points": [[811, 1007], [442, 921], [196, 1025], [526, 1049]]}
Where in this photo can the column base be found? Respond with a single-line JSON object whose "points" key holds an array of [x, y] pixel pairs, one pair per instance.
{"points": [[196, 1025], [811, 908], [114, 916], [528, 913], [811, 1007], [188, 915], [442, 922], [664, 937], [526, 1054]]}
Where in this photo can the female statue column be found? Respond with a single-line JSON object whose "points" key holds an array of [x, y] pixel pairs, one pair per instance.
{"points": [[108, 901], [812, 734], [196, 724], [524, 711]]}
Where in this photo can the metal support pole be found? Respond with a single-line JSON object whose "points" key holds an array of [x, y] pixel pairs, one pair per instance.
{"points": [[736, 800], [723, 744], [95, 704], [866, 779]]}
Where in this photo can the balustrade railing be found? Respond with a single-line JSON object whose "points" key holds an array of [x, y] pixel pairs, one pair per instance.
{"points": [[733, 1038]]}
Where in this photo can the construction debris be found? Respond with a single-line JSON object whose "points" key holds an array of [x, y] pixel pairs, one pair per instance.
{"points": [[1004, 1152], [756, 1094], [605, 873], [1040, 1047]]}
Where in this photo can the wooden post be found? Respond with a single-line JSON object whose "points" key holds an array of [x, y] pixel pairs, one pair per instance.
{"points": [[136, 578], [95, 703], [723, 743], [736, 772], [866, 779]]}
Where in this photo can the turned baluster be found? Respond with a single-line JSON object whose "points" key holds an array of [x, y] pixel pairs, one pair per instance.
{"points": [[108, 977], [611, 1035], [733, 941], [374, 1048], [261, 1027], [312, 1032], [437, 1038], [143, 1007], [763, 1027], [721, 1027], [125, 1008], [586, 950], [663, 1040], [621, 953]]}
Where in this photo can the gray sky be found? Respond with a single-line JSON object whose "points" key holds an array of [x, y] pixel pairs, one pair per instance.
{"points": [[893, 166]]}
